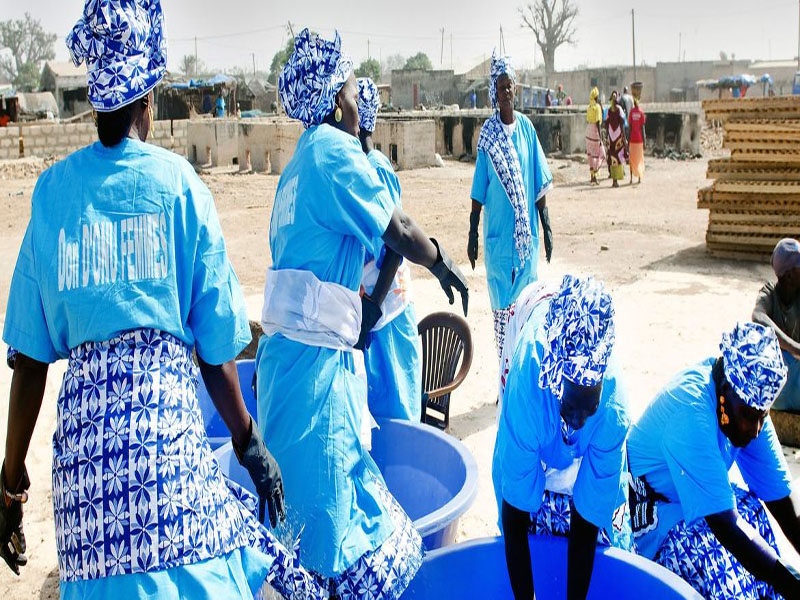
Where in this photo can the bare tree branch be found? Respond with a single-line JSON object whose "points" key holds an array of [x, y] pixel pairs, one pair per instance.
{"points": [[552, 23]]}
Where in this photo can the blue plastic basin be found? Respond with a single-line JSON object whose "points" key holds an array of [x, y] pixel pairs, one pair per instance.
{"points": [[216, 430], [477, 570], [432, 475]]}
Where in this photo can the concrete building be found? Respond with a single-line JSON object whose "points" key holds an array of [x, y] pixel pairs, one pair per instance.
{"points": [[580, 82], [68, 84], [414, 87]]}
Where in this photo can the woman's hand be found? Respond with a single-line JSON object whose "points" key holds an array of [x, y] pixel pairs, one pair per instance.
{"points": [[12, 537], [266, 476]]}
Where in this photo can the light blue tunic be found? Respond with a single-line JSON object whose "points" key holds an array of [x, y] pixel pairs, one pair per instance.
{"points": [[505, 277], [680, 450], [330, 205], [394, 357], [124, 238], [529, 436]]}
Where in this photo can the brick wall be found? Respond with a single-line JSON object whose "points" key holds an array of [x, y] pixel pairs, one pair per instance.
{"points": [[58, 139]]}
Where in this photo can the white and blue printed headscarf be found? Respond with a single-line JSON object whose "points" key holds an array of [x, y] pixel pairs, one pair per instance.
{"points": [[579, 328], [753, 364], [498, 146], [368, 103], [125, 48], [312, 77]]}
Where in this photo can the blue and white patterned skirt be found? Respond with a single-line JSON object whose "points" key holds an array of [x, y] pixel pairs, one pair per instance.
{"points": [[136, 487], [386, 572], [695, 554], [553, 518]]}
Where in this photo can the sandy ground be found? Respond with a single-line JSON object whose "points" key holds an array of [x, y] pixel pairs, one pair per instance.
{"points": [[672, 300]]}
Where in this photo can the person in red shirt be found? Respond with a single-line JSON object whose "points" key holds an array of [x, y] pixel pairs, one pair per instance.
{"points": [[637, 119]]}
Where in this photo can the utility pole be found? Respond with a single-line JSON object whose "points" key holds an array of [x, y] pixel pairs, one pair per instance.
{"points": [[451, 51], [253, 54], [680, 39], [195, 57], [291, 29], [368, 55], [441, 52], [502, 42], [633, 37]]}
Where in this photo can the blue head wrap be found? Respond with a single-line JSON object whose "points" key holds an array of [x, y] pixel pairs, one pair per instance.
{"points": [[500, 65], [125, 48], [580, 335], [368, 103], [312, 77], [753, 364]]}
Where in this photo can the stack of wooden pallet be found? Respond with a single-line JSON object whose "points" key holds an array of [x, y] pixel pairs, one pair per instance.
{"points": [[755, 198]]}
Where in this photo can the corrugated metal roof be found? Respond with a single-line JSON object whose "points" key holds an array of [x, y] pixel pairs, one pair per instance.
{"points": [[66, 69]]}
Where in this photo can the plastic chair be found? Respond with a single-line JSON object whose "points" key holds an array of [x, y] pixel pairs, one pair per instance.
{"points": [[446, 338]]}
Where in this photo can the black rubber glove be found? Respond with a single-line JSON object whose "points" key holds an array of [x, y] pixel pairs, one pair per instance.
{"points": [[370, 314], [265, 473], [786, 580], [12, 538], [472, 241], [450, 276], [547, 233]]}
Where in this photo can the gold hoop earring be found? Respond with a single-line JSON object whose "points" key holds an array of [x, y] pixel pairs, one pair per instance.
{"points": [[152, 119], [723, 418], [337, 115]]}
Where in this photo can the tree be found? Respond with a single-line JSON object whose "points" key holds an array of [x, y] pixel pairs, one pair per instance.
{"points": [[188, 66], [419, 61], [552, 22], [30, 44], [280, 59], [369, 68], [392, 63]]}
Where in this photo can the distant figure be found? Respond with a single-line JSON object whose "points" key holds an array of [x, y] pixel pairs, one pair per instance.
{"points": [[568, 101], [220, 106], [594, 141], [548, 100], [626, 101], [5, 118], [637, 139], [473, 98], [778, 307], [617, 144], [561, 95], [208, 104]]}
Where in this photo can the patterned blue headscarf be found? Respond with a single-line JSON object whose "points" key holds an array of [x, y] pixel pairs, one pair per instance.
{"points": [[580, 335], [501, 65], [125, 48], [312, 77], [753, 364], [368, 103]]}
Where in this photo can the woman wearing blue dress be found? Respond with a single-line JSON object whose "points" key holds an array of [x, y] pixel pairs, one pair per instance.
{"points": [[330, 206], [123, 272], [687, 515], [559, 461], [511, 182], [392, 350]]}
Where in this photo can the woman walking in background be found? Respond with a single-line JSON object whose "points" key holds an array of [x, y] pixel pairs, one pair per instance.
{"points": [[511, 181], [594, 142], [638, 138], [617, 144]]}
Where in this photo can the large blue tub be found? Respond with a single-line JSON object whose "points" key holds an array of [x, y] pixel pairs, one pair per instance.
{"points": [[216, 430], [432, 475], [477, 570]]}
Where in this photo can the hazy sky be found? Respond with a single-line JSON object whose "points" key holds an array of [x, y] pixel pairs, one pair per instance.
{"points": [[229, 32]]}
